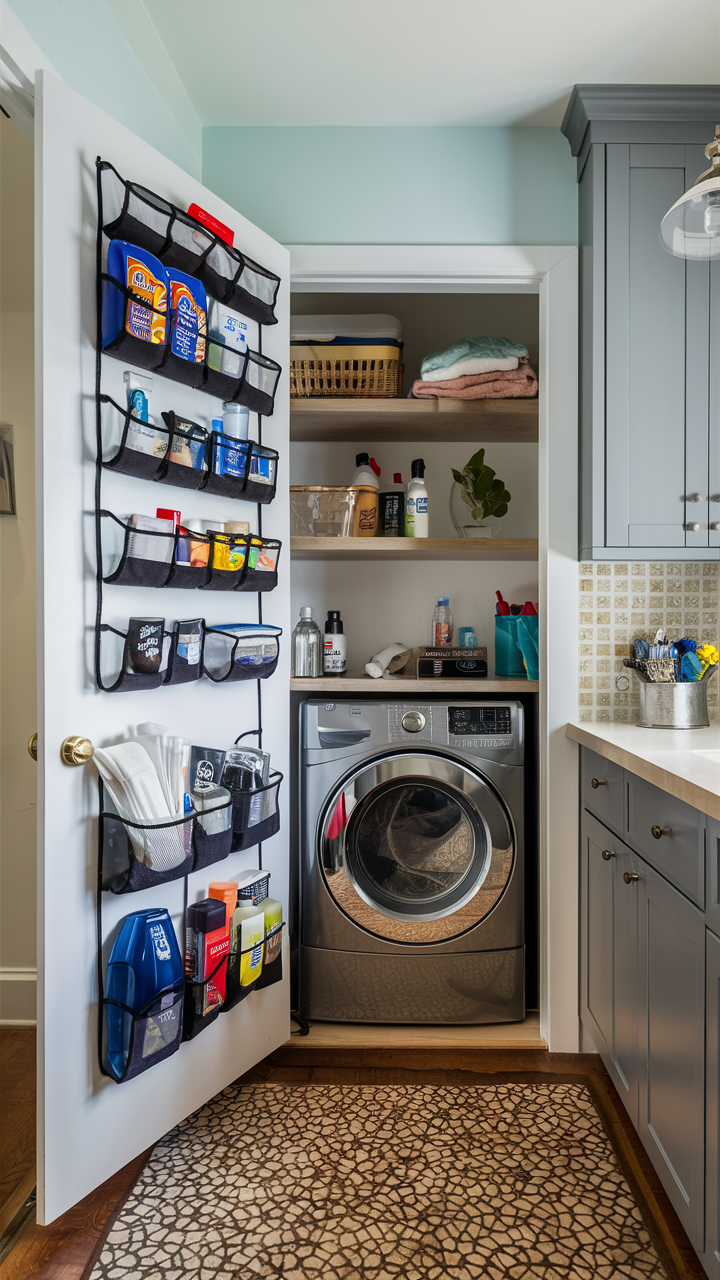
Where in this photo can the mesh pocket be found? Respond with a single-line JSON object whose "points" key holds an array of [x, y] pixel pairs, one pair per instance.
{"points": [[254, 292], [139, 856], [142, 448], [144, 219], [210, 846], [228, 466], [134, 1041], [262, 574], [191, 566], [272, 970], [137, 317], [259, 384], [256, 814], [224, 370], [185, 657], [146, 558], [201, 1006], [127, 681], [249, 653], [185, 464], [229, 561], [261, 480], [190, 373], [243, 971]]}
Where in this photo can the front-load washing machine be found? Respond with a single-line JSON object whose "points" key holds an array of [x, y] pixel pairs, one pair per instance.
{"points": [[411, 878]]}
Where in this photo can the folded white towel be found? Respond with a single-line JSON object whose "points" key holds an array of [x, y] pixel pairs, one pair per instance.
{"points": [[473, 364], [134, 787]]}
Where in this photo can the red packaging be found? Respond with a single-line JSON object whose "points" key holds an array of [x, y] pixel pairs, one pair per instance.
{"points": [[215, 945], [205, 948], [213, 224]]}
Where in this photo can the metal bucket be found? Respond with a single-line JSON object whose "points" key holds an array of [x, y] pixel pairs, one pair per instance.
{"points": [[674, 706]]}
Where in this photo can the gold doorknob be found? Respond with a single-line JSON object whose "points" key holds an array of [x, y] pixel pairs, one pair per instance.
{"points": [[608, 854], [597, 782], [32, 746], [76, 750], [630, 876], [656, 831]]}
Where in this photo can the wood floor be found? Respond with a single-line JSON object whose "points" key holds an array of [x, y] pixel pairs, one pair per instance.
{"points": [[17, 1120], [65, 1250]]}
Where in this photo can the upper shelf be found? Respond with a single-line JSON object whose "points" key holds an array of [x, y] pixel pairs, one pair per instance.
{"points": [[414, 548], [483, 421]]}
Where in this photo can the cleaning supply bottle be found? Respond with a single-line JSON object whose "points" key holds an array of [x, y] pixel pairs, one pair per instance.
{"points": [[391, 511], [334, 645], [367, 471], [416, 503], [247, 931], [307, 646], [145, 973], [442, 624], [236, 420], [273, 913]]}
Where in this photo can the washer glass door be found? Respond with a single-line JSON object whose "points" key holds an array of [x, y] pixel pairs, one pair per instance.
{"points": [[416, 848]]}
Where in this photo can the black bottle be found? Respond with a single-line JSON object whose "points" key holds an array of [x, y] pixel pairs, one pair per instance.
{"points": [[334, 645]]}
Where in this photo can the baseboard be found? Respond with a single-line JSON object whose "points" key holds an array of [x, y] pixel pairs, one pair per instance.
{"points": [[18, 997]]}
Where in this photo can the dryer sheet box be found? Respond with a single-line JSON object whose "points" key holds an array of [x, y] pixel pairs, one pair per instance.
{"points": [[452, 662]]}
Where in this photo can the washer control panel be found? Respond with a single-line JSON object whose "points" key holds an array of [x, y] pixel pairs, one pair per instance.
{"points": [[409, 723], [480, 726], [413, 722]]}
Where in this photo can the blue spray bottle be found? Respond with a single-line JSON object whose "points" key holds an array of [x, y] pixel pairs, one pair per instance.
{"points": [[145, 973]]}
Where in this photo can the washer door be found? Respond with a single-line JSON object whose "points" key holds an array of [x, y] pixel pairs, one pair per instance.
{"points": [[416, 848]]}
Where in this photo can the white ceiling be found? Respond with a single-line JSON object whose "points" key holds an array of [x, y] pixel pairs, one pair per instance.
{"points": [[410, 62]]}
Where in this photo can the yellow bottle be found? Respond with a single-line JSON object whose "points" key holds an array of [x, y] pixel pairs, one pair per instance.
{"points": [[273, 919], [246, 938]]}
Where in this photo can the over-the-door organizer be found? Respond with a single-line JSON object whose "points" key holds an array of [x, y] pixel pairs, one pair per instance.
{"points": [[133, 856]]}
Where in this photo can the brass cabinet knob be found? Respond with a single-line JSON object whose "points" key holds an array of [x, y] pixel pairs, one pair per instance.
{"points": [[32, 746], [76, 750], [630, 876], [656, 831], [597, 782], [715, 525], [608, 854], [692, 526]]}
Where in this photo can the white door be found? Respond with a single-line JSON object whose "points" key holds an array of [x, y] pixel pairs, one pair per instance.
{"points": [[89, 1127]]}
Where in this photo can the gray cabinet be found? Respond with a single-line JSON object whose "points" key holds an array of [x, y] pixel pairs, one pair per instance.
{"points": [[671, 1039], [602, 787], [711, 1255], [712, 889], [669, 834], [608, 969], [649, 388]]}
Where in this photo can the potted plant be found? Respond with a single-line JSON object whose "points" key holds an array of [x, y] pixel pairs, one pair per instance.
{"points": [[477, 498]]}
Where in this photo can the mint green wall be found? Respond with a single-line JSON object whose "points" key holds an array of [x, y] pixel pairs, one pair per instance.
{"points": [[387, 185], [87, 48]]}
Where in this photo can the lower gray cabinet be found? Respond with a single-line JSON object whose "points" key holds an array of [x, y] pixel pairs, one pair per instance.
{"points": [[671, 1026], [711, 1256], [608, 969]]}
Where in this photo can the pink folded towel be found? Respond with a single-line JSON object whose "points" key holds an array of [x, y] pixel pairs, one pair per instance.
{"points": [[501, 384]]}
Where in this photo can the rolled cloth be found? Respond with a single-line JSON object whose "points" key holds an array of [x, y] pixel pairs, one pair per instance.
{"points": [[472, 355], [513, 384], [388, 660]]}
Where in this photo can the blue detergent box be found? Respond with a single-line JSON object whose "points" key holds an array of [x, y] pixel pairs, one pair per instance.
{"points": [[229, 455]]}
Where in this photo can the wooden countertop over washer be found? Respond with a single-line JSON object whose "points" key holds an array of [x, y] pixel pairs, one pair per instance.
{"points": [[683, 762]]}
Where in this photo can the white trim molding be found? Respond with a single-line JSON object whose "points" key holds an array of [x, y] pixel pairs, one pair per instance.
{"points": [[551, 272], [18, 996]]}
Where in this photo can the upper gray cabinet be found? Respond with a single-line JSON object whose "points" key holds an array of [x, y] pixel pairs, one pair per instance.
{"points": [[649, 327]]}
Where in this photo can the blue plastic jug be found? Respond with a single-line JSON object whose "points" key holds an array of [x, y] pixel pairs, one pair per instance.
{"points": [[145, 973]]}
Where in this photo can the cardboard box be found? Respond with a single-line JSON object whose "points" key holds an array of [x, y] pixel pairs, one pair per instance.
{"points": [[449, 662]]}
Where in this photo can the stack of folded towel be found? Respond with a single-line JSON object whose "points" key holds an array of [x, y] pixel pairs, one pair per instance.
{"points": [[478, 369]]}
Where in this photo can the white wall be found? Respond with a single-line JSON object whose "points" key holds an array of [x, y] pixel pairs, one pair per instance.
{"points": [[18, 716]]}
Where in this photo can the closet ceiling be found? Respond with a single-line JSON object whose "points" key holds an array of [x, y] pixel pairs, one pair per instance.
{"points": [[410, 62]]}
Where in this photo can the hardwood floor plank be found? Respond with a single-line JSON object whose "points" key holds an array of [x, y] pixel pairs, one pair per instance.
{"points": [[17, 1120]]}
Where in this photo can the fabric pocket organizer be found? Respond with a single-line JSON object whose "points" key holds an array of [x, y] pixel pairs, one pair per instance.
{"points": [[182, 558], [272, 970], [154, 1033], [129, 681], [180, 241], [144, 855], [256, 814], [241, 651], [201, 1005]]}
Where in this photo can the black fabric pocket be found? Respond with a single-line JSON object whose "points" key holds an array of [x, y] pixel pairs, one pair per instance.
{"points": [[185, 657], [261, 483], [154, 1033], [254, 292], [144, 855], [259, 384], [138, 570], [191, 566], [145, 462], [224, 370], [211, 846], [229, 656], [196, 1015], [236, 991], [256, 814], [262, 573], [228, 561], [126, 345], [231, 457], [272, 972], [186, 441], [127, 681]]}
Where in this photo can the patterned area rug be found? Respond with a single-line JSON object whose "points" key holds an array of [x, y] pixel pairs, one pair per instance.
{"points": [[496, 1181]]}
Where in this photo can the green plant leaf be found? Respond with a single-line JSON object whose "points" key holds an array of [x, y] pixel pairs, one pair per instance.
{"points": [[458, 476], [476, 463]]}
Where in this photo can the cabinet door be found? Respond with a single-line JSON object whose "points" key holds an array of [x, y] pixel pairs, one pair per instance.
{"points": [[658, 372], [711, 1256], [608, 969], [671, 990], [712, 874], [89, 1127]]}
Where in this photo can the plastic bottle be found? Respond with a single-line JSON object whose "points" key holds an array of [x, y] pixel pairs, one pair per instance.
{"points": [[442, 624], [367, 471], [247, 933], [307, 646], [416, 503], [145, 961], [273, 912], [236, 420], [392, 509], [334, 645]]}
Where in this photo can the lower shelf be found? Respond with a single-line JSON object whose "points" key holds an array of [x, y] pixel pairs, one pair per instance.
{"points": [[358, 1035], [358, 682]]}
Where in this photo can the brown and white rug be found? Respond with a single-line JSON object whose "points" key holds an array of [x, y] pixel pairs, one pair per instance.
{"points": [[492, 1181]]}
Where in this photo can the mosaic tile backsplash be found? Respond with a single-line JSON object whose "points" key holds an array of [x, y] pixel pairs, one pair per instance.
{"points": [[618, 603]]}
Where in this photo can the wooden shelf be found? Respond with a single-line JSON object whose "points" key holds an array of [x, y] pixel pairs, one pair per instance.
{"points": [[357, 1035], [359, 682], [414, 548], [423, 421]]}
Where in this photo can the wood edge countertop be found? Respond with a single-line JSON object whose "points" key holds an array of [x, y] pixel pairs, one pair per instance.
{"points": [[683, 762]]}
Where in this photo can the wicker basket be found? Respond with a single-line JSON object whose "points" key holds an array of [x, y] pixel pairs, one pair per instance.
{"points": [[339, 375]]}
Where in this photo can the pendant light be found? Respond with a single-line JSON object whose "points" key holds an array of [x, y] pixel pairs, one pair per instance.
{"points": [[691, 229]]}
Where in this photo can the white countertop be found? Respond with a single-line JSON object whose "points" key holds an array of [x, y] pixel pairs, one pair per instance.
{"points": [[683, 762]]}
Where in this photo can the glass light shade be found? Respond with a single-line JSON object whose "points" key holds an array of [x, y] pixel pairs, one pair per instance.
{"points": [[691, 229]]}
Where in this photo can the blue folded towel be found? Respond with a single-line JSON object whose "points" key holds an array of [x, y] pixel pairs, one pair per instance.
{"points": [[491, 349]]}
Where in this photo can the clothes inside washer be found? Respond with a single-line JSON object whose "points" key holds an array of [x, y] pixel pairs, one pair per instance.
{"points": [[414, 842]]}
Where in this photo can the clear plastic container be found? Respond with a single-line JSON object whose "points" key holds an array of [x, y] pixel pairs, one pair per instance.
{"points": [[307, 646], [333, 511], [442, 624]]}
